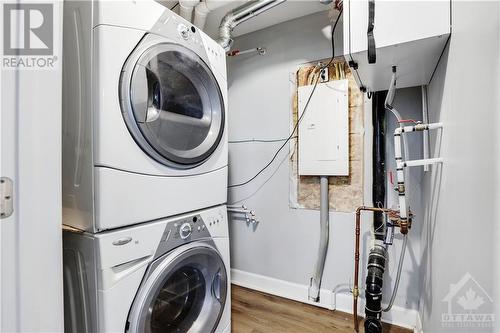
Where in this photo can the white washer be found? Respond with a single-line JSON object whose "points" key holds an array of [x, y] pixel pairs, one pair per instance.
{"points": [[144, 115], [166, 276]]}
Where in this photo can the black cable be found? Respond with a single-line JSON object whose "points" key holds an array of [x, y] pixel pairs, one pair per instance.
{"points": [[173, 7], [286, 141], [261, 140], [332, 39], [301, 116]]}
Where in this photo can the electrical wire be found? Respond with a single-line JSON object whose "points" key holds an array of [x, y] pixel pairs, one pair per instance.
{"points": [[286, 141], [173, 7], [303, 111], [398, 274], [401, 121], [260, 140]]}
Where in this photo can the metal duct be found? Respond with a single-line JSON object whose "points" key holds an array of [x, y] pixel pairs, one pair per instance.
{"points": [[239, 15]]}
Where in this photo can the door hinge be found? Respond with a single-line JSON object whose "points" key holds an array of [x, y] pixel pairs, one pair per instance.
{"points": [[6, 201]]}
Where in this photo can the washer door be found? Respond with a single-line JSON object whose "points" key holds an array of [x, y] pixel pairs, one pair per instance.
{"points": [[172, 104], [186, 292]]}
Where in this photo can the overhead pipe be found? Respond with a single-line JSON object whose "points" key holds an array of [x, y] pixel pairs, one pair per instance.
{"points": [[239, 15], [203, 8], [315, 282], [186, 9]]}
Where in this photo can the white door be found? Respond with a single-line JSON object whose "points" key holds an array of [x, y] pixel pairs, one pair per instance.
{"points": [[30, 160]]}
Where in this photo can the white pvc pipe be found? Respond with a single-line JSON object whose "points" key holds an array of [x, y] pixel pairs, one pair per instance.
{"points": [[418, 128], [203, 8], [423, 162], [401, 164], [425, 119], [186, 9]]}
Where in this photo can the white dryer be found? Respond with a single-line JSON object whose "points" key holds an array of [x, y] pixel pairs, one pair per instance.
{"points": [[144, 115], [166, 276]]}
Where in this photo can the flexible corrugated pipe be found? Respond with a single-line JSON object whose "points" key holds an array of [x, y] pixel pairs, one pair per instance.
{"points": [[239, 15]]}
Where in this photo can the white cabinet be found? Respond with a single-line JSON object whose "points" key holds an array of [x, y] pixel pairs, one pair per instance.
{"points": [[324, 130], [408, 34]]}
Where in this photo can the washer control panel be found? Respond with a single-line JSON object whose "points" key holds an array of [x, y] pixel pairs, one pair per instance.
{"points": [[189, 227], [181, 231]]}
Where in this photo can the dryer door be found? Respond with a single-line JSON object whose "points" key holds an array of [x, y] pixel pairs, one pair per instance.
{"points": [[172, 104], [186, 292]]}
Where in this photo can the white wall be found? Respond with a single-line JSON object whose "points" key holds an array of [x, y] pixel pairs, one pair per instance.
{"points": [[284, 245], [463, 195]]}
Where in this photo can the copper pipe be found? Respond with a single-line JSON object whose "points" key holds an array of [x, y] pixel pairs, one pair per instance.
{"points": [[355, 290]]}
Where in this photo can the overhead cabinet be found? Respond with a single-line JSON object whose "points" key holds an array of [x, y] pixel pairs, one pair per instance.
{"points": [[408, 34]]}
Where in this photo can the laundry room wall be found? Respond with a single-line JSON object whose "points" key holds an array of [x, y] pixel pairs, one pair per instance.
{"points": [[278, 255], [461, 227]]}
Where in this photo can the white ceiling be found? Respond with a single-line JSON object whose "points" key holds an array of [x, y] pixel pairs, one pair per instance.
{"points": [[289, 10]]}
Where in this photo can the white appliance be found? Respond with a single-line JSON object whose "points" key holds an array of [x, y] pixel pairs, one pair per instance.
{"points": [[166, 276], [144, 115], [400, 38]]}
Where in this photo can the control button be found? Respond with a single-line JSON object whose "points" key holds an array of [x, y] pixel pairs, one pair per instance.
{"points": [[199, 228], [185, 230], [183, 31]]}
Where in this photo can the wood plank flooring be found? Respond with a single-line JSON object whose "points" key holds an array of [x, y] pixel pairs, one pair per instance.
{"points": [[256, 312]]}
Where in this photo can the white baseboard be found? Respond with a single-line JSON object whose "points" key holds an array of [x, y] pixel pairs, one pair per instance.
{"points": [[418, 327], [340, 301]]}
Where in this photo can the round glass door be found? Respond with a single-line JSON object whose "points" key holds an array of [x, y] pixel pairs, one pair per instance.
{"points": [[183, 294], [172, 104]]}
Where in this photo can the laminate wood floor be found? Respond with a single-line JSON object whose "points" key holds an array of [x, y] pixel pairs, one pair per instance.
{"points": [[256, 312]]}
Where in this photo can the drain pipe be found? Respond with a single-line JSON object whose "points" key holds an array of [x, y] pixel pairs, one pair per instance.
{"points": [[315, 282], [377, 257], [186, 9], [239, 15], [355, 290]]}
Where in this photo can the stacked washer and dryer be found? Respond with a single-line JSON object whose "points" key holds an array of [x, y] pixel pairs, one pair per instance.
{"points": [[146, 247]]}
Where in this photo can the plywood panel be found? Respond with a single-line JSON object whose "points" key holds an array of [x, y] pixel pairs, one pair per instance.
{"points": [[346, 192]]}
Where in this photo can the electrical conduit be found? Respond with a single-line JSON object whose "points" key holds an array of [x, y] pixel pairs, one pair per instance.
{"points": [[315, 283]]}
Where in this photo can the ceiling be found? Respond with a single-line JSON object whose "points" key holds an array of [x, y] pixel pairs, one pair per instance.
{"points": [[287, 11]]}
